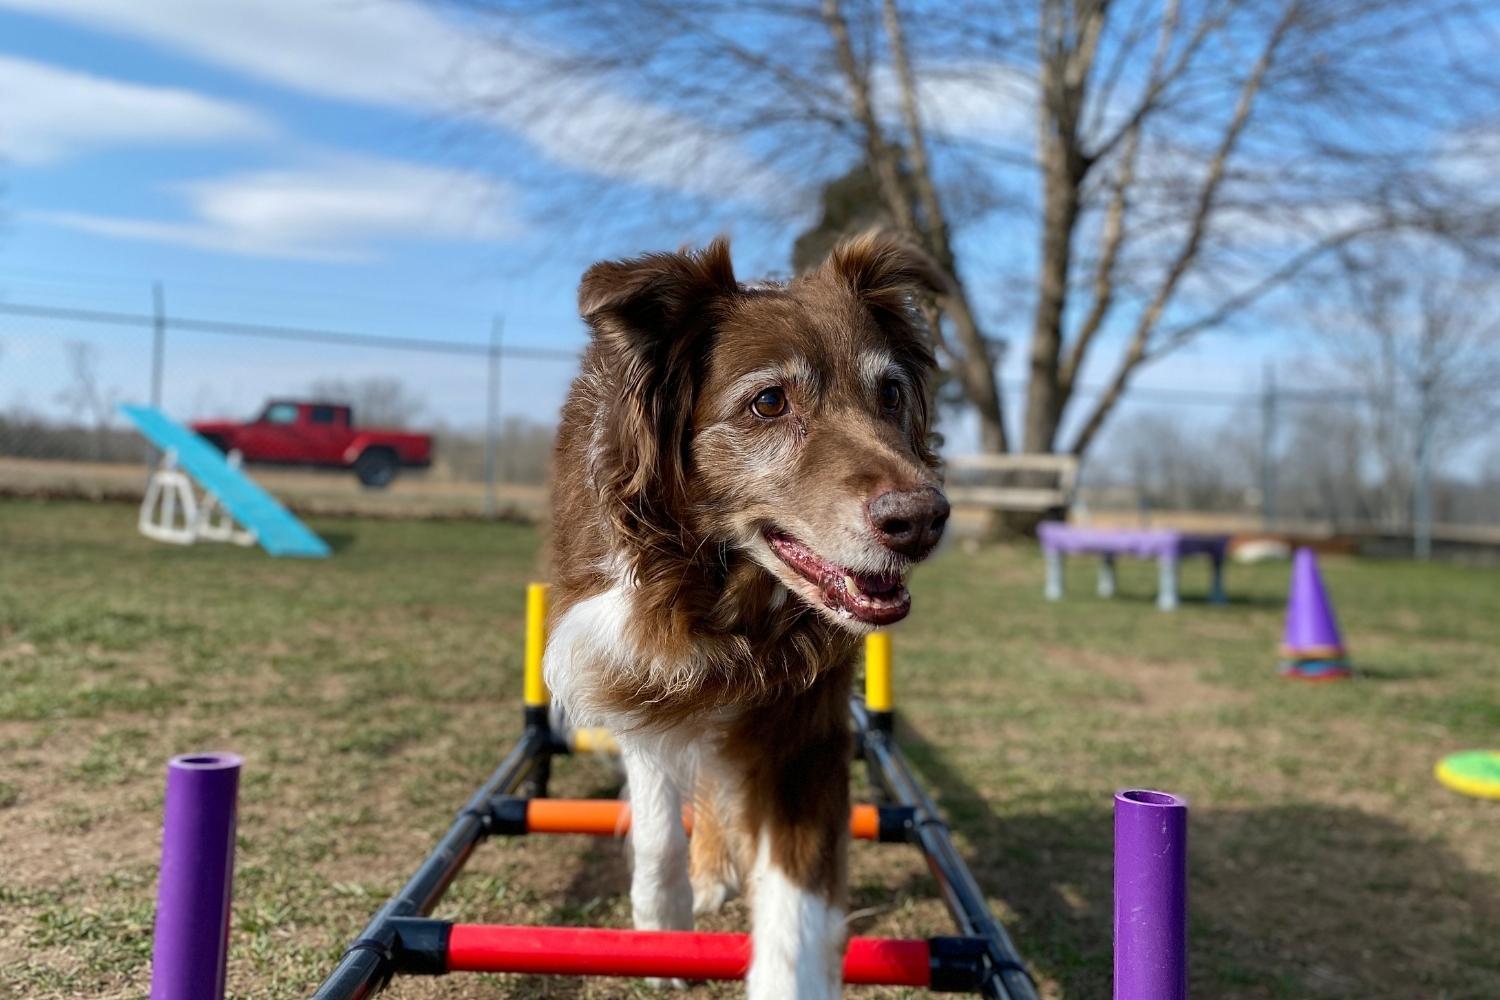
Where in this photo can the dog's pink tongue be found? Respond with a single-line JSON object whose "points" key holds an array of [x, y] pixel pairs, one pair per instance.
{"points": [[871, 598], [872, 584], [874, 609]]}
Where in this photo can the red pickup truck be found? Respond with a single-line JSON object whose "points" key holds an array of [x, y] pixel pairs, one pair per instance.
{"points": [[294, 432]]}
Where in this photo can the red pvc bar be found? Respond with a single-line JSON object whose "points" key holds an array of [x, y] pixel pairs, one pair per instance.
{"points": [[587, 951]]}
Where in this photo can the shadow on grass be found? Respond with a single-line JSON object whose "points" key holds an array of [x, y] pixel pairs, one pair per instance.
{"points": [[338, 541], [1190, 599], [1295, 901], [1234, 600], [1392, 672], [600, 876]]}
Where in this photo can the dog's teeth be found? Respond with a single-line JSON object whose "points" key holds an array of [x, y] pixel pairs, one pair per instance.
{"points": [[851, 585]]}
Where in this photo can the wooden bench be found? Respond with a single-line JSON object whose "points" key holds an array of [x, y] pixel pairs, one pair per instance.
{"points": [[1036, 483]]}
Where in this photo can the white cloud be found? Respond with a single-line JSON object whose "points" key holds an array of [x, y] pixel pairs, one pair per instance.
{"points": [[48, 113], [398, 53], [1467, 156], [982, 101], [333, 210], [377, 51]]}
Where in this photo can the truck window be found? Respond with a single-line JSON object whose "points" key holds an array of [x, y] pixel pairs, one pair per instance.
{"points": [[324, 415], [281, 413]]}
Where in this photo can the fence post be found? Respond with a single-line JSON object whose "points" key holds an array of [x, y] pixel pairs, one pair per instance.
{"points": [[158, 359], [1268, 447], [159, 339], [1422, 498], [492, 417]]}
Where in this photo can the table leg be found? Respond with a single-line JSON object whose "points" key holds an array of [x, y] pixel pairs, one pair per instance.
{"points": [[1054, 587], [1166, 586], [1107, 575], [1216, 594]]}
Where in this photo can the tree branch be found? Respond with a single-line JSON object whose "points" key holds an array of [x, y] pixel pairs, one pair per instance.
{"points": [[1136, 352], [1114, 220], [976, 369], [882, 159]]}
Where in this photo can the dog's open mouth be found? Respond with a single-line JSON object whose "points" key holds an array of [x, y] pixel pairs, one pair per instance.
{"points": [[877, 599]]}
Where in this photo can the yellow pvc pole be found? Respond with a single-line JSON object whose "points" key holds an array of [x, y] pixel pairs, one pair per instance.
{"points": [[535, 688], [594, 740], [879, 696]]}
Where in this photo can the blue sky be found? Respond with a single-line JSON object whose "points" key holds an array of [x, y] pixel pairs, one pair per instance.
{"points": [[322, 163], [309, 175]]}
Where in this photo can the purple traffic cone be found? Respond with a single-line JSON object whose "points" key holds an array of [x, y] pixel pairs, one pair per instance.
{"points": [[1311, 647]]}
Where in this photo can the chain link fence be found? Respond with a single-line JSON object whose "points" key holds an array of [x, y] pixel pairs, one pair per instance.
{"points": [[1304, 460], [1273, 456], [489, 405]]}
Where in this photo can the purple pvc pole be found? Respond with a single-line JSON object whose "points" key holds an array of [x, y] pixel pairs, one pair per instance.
{"points": [[1150, 896], [197, 871]]}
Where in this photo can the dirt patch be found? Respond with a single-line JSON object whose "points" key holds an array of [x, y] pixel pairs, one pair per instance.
{"points": [[1156, 687]]}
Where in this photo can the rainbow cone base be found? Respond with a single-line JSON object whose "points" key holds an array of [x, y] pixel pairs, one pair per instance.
{"points": [[1317, 669], [1471, 772]]}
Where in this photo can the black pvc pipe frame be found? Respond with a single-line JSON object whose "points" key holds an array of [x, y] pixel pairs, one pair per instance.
{"points": [[379, 953]]}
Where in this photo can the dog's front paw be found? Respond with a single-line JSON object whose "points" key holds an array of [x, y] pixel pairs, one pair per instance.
{"points": [[710, 894], [666, 984]]}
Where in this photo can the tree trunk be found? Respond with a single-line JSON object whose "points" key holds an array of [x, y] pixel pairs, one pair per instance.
{"points": [[1011, 525], [1068, 43], [1044, 391]]}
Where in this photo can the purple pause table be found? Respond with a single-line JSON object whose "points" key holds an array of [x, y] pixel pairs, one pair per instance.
{"points": [[1166, 547]]}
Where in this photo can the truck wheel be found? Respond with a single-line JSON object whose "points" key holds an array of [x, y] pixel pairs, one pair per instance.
{"points": [[375, 468], [217, 441]]}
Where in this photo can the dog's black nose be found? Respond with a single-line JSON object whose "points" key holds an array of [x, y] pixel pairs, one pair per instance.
{"points": [[909, 521]]}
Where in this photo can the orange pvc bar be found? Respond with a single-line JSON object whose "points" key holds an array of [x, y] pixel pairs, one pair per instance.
{"points": [[611, 818], [598, 817], [864, 822]]}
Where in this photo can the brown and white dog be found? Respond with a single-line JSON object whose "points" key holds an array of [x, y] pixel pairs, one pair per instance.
{"points": [[743, 478]]}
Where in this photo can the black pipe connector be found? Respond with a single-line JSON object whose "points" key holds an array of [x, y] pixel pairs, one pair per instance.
{"points": [[508, 815], [958, 963], [421, 947], [897, 825]]}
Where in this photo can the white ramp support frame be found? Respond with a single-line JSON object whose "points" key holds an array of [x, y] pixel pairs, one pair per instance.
{"points": [[172, 512], [229, 498]]}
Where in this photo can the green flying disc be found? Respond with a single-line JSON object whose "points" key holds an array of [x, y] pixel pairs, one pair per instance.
{"points": [[1472, 772]]}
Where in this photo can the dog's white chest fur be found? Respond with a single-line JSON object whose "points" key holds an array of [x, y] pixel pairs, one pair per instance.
{"points": [[591, 636]]}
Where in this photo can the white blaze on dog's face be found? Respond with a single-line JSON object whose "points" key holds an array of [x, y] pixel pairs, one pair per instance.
{"points": [[809, 440]]}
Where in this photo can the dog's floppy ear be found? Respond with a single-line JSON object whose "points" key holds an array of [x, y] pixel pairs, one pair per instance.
{"points": [[650, 316], [635, 302], [891, 278], [886, 272]]}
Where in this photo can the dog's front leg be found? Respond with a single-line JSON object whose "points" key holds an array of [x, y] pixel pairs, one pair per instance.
{"points": [[798, 931], [661, 897], [801, 817]]}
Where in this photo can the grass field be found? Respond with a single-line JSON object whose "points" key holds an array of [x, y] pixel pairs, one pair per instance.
{"points": [[371, 692]]}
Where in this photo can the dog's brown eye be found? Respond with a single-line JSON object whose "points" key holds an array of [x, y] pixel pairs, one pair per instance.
{"points": [[890, 396], [770, 404]]}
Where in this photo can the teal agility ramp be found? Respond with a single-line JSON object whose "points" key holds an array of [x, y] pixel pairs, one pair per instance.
{"points": [[172, 512]]}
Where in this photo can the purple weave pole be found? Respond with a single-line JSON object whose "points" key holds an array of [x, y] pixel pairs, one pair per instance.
{"points": [[197, 872], [1150, 896]]}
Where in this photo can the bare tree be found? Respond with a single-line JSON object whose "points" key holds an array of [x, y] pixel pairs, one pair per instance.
{"points": [[1169, 460], [88, 401], [377, 400], [1322, 471], [1104, 180], [1421, 344]]}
